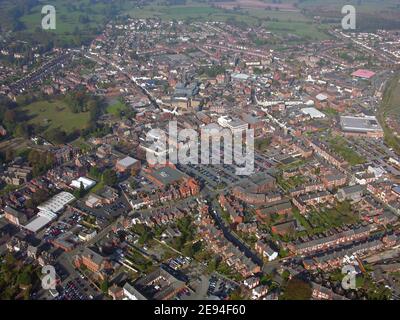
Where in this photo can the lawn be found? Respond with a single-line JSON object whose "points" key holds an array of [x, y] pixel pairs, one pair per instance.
{"points": [[55, 114]]}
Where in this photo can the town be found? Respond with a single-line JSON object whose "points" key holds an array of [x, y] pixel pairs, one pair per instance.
{"points": [[78, 192]]}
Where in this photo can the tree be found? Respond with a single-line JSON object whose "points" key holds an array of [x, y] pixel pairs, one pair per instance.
{"points": [[297, 289], [104, 286], [79, 193], [24, 279], [94, 172], [236, 294], [109, 177], [10, 155]]}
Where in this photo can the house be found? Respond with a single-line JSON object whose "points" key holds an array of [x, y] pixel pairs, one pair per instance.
{"points": [[265, 250], [352, 193], [116, 292], [280, 207], [3, 131], [93, 261], [259, 292], [251, 282], [130, 293], [14, 216]]}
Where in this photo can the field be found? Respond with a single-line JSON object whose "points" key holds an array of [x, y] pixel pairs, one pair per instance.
{"points": [[389, 109], [80, 20], [55, 114], [364, 6]]}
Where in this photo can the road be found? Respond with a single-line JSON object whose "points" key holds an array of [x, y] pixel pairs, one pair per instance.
{"points": [[231, 237]]}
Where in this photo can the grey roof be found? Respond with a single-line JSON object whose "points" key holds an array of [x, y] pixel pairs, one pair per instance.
{"points": [[134, 292], [168, 175], [127, 161], [360, 124]]}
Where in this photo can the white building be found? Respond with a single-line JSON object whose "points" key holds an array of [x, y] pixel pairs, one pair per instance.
{"points": [[87, 183], [235, 125], [49, 210]]}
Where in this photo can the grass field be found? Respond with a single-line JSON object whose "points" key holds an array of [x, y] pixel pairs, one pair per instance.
{"points": [[277, 21], [68, 17], [390, 109], [55, 114], [82, 18], [364, 6]]}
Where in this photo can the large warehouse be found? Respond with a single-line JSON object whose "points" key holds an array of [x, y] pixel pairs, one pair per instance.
{"points": [[49, 210], [362, 125]]}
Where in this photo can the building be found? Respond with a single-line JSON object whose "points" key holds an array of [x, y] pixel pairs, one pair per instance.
{"points": [[265, 250], [160, 284], [322, 244], [313, 113], [352, 193], [363, 74], [86, 182], [92, 260], [279, 207], [130, 293], [17, 175], [14, 216], [126, 164], [49, 210], [234, 124], [116, 292], [365, 125]]}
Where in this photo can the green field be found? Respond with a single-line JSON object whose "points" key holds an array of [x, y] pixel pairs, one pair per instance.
{"points": [[390, 109], [276, 21], [364, 6], [69, 19], [79, 20], [55, 114]]}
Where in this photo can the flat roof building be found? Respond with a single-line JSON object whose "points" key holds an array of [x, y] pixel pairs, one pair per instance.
{"points": [[87, 183], [48, 211], [363, 124], [127, 163], [313, 113]]}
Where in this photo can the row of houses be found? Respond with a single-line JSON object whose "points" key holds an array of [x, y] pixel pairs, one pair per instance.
{"points": [[335, 259], [332, 241]]}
